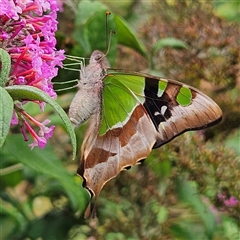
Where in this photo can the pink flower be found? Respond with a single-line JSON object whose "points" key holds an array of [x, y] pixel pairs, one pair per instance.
{"points": [[27, 33], [231, 202], [221, 197], [46, 132], [29, 38], [228, 201], [38, 141]]}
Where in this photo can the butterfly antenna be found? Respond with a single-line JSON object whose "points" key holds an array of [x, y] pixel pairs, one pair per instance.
{"points": [[109, 42], [106, 30], [108, 35]]}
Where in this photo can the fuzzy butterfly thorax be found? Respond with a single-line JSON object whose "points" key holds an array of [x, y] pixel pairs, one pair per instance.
{"points": [[87, 100], [130, 114]]}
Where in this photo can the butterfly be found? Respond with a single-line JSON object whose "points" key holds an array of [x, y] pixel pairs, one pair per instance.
{"points": [[129, 114]]}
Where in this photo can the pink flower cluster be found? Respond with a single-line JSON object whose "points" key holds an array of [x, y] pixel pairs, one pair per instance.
{"points": [[29, 37], [27, 33], [228, 201]]}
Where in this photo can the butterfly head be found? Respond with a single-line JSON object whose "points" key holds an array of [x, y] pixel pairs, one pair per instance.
{"points": [[99, 57]]}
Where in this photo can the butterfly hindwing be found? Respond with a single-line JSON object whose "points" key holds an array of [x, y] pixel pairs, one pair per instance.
{"points": [[138, 112], [118, 148]]}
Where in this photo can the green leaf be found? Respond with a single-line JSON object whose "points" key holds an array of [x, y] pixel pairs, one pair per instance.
{"points": [[90, 28], [127, 36], [82, 37], [10, 176], [12, 220], [188, 194], [91, 33], [46, 163], [185, 230], [5, 59], [231, 228], [162, 169], [227, 9], [169, 42], [33, 93], [233, 141], [6, 111], [87, 10]]}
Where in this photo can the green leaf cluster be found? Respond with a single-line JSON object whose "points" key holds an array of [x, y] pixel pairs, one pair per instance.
{"points": [[89, 22], [229, 10], [6, 104]]}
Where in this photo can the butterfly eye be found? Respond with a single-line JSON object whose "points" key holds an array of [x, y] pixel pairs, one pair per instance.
{"points": [[98, 57]]}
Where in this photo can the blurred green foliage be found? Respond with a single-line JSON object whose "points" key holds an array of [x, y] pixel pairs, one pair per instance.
{"points": [[173, 194], [229, 10]]}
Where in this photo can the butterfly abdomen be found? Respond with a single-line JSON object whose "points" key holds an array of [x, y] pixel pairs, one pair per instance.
{"points": [[83, 105]]}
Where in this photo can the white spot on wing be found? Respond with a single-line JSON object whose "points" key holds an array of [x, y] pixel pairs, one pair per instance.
{"points": [[163, 110]]}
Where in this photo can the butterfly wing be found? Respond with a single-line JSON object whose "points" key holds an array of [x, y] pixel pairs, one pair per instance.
{"points": [[139, 112]]}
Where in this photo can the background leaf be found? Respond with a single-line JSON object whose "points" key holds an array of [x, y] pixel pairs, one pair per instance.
{"points": [[5, 66], [169, 42], [47, 164], [90, 31], [127, 36], [228, 9], [234, 141], [6, 111], [32, 93], [189, 195]]}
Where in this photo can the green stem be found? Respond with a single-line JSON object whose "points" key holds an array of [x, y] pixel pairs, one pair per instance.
{"points": [[13, 168]]}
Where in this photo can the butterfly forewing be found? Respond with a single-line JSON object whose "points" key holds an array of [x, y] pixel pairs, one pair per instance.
{"points": [[178, 108], [139, 112], [119, 98]]}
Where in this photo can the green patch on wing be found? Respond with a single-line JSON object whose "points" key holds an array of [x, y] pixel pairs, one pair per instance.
{"points": [[161, 87], [184, 97], [122, 93]]}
